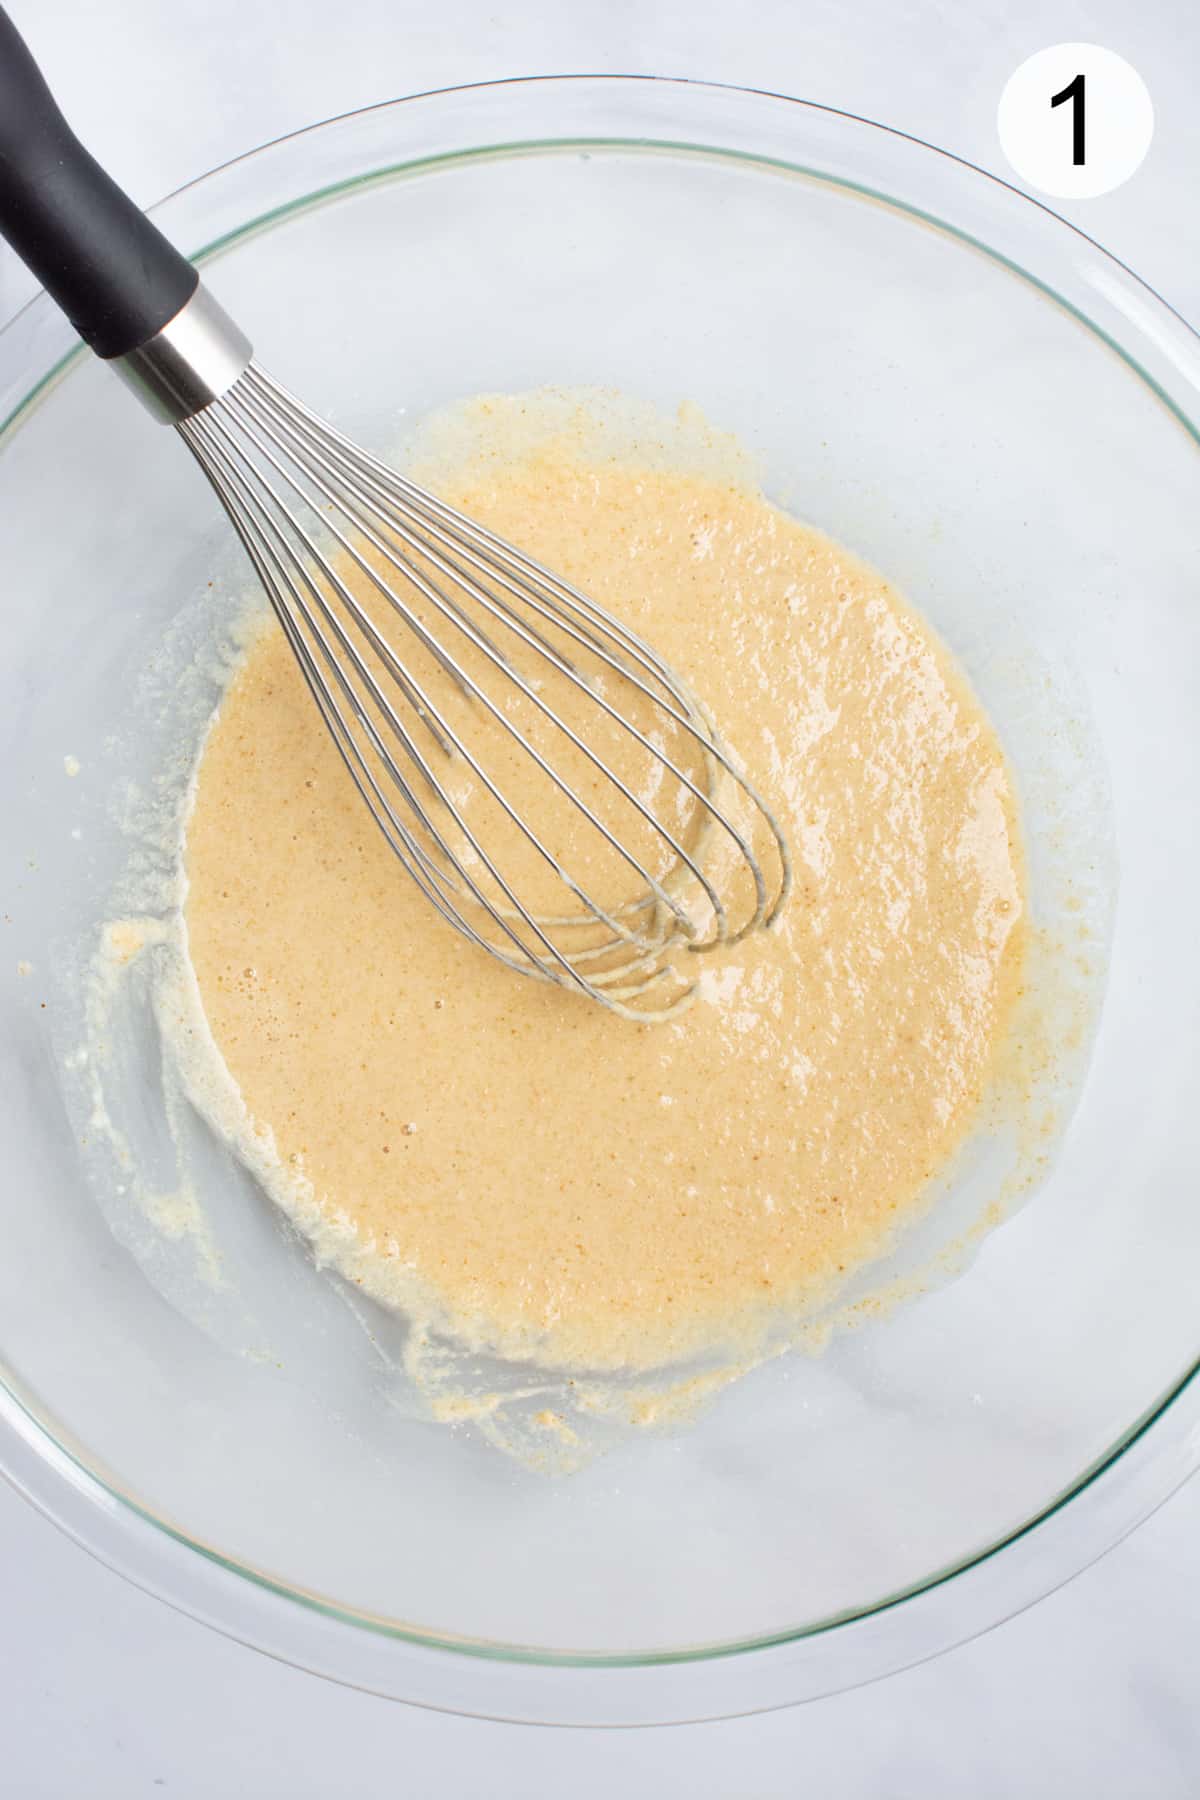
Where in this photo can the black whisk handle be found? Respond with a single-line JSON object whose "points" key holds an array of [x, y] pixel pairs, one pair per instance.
{"points": [[113, 273]]}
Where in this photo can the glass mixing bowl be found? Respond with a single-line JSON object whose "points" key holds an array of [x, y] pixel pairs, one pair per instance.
{"points": [[973, 396]]}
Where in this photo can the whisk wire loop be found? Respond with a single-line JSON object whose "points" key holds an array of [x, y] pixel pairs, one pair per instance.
{"points": [[572, 709]]}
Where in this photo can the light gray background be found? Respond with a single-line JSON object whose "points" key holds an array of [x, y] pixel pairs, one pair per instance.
{"points": [[105, 1692]]}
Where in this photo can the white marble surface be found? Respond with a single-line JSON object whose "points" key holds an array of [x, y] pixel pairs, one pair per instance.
{"points": [[1095, 1692]]}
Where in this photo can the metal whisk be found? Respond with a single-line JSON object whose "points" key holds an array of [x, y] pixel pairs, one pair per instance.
{"points": [[543, 776]]}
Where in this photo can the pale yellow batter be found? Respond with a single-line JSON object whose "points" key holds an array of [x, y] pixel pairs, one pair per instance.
{"points": [[552, 1180]]}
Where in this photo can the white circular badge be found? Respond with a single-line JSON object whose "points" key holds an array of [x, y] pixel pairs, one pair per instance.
{"points": [[1075, 121]]}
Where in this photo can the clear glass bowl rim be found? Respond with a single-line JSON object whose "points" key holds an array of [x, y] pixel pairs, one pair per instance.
{"points": [[1151, 1457]]}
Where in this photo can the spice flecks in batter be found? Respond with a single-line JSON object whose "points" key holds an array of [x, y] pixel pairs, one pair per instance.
{"points": [[512, 1150]]}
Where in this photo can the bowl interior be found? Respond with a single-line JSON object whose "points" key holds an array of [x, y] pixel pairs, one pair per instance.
{"points": [[942, 415]]}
